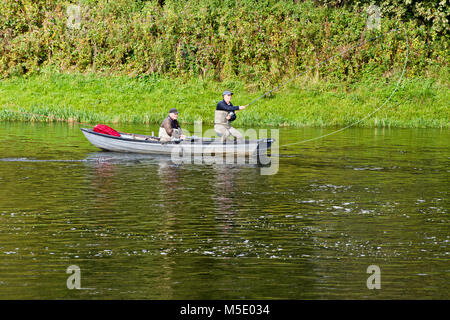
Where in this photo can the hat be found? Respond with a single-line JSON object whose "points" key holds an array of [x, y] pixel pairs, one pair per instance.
{"points": [[173, 110], [227, 92]]}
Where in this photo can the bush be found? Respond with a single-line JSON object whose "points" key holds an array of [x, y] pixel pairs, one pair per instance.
{"points": [[258, 42]]}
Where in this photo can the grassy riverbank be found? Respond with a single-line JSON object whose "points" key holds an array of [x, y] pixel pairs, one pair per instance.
{"points": [[418, 102]]}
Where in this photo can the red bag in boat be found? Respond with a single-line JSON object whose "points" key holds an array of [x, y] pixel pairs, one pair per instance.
{"points": [[101, 128]]}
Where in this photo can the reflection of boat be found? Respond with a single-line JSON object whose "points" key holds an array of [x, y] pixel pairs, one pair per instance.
{"points": [[164, 160], [136, 143]]}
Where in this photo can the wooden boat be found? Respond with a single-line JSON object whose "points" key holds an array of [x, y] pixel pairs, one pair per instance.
{"points": [[137, 143]]}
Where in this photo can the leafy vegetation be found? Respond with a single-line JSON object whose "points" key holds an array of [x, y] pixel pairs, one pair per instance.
{"points": [[128, 60], [259, 42]]}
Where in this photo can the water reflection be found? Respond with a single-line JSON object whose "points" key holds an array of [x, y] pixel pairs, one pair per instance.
{"points": [[103, 183], [224, 198]]}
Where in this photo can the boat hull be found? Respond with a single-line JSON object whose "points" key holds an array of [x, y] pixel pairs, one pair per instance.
{"points": [[191, 146]]}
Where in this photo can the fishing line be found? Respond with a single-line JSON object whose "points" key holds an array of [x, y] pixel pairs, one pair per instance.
{"points": [[325, 61]]}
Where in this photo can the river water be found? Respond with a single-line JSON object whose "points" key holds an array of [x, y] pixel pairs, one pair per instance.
{"points": [[142, 227]]}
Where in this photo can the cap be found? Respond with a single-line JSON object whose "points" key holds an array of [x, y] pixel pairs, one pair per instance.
{"points": [[227, 92], [173, 110]]}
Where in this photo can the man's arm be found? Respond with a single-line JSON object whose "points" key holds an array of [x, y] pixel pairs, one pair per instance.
{"points": [[223, 106], [166, 125]]}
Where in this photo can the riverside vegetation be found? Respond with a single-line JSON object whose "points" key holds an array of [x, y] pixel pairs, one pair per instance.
{"points": [[130, 61]]}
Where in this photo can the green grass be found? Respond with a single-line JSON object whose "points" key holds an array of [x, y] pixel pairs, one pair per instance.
{"points": [[419, 102]]}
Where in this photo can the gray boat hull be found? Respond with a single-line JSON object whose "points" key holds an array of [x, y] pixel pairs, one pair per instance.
{"points": [[191, 146]]}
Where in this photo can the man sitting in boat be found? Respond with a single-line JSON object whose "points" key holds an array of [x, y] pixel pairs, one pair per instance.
{"points": [[170, 129], [225, 113]]}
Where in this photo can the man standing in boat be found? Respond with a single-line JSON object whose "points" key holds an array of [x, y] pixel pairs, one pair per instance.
{"points": [[170, 128], [225, 113]]}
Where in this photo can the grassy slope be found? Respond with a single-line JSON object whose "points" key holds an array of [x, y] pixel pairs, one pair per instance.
{"points": [[95, 99]]}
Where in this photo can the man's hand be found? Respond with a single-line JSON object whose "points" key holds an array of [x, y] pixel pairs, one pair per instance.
{"points": [[243, 107], [182, 137]]}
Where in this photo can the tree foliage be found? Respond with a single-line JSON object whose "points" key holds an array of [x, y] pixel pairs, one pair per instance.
{"points": [[261, 41]]}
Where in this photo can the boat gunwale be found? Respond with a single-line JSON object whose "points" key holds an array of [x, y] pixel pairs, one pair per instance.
{"points": [[90, 131]]}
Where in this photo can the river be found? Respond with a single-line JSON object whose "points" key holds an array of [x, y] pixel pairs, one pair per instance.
{"points": [[143, 227]]}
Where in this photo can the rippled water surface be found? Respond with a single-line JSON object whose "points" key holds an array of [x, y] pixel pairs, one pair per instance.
{"points": [[142, 227]]}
